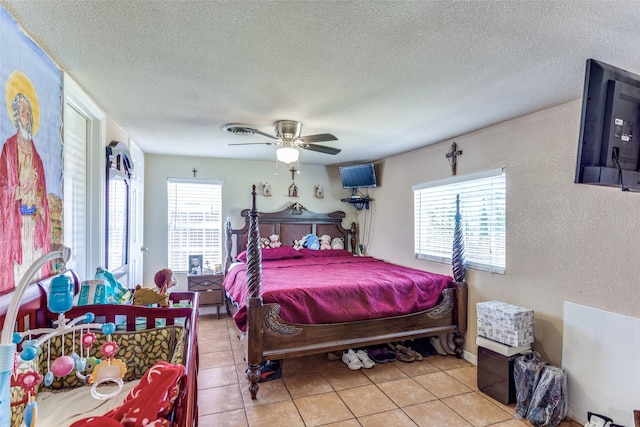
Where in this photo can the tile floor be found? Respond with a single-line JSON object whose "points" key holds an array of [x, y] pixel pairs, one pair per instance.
{"points": [[439, 391]]}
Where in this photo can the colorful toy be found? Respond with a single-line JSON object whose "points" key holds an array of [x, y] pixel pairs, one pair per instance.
{"points": [[311, 241], [61, 301], [164, 280]]}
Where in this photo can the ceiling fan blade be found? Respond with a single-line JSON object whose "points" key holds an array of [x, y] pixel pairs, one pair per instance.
{"points": [[320, 148], [240, 129], [264, 134], [321, 137], [255, 143]]}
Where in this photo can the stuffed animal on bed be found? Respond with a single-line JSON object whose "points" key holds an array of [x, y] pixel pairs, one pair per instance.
{"points": [[325, 242], [164, 280], [337, 243], [311, 242], [264, 243], [298, 244], [274, 241]]}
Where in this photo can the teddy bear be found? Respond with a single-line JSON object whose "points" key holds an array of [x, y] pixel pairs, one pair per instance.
{"points": [[265, 243], [325, 242], [337, 243], [274, 241]]}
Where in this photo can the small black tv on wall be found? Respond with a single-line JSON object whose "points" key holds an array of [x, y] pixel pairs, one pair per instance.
{"points": [[609, 145], [358, 176]]}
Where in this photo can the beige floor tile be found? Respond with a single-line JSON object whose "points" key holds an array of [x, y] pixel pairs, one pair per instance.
{"points": [[448, 362], [322, 409], [395, 418], [219, 399], [512, 423], [476, 409], [216, 359], [269, 392], [224, 399], [214, 344], [435, 413], [306, 385], [235, 418], [216, 377], [406, 392], [384, 372], [210, 332], [275, 414], [418, 368], [366, 400], [441, 385], [342, 377], [348, 423], [467, 376]]}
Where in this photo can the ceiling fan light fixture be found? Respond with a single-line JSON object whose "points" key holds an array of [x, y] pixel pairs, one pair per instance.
{"points": [[287, 155]]}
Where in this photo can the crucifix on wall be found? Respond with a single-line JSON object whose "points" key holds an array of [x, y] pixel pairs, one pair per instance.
{"points": [[452, 155], [293, 188]]}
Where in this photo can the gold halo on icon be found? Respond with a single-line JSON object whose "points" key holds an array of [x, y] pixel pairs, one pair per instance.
{"points": [[17, 83]]}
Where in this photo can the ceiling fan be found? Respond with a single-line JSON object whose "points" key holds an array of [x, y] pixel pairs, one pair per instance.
{"points": [[287, 137]]}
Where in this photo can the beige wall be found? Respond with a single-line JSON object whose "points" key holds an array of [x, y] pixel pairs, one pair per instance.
{"points": [[238, 176], [565, 242]]}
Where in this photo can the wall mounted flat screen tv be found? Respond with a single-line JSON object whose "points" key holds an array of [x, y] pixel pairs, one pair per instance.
{"points": [[358, 176], [609, 144]]}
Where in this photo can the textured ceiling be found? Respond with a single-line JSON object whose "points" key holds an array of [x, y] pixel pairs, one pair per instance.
{"points": [[383, 76]]}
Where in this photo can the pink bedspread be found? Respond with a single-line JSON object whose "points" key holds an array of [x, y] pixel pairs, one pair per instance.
{"points": [[340, 289]]}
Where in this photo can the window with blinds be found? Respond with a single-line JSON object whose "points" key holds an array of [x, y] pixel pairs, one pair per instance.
{"points": [[483, 211], [195, 222]]}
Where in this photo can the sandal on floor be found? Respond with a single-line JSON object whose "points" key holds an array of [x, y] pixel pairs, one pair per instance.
{"points": [[411, 352], [405, 357]]}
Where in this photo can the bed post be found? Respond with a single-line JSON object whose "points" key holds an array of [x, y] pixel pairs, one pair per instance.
{"points": [[229, 242], [353, 237], [458, 264], [254, 300], [460, 317]]}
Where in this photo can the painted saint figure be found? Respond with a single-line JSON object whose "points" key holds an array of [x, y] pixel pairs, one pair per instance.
{"points": [[25, 228]]}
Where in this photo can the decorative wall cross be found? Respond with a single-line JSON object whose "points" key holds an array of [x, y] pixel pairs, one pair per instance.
{"points": [[293, 172], [452, 155]]}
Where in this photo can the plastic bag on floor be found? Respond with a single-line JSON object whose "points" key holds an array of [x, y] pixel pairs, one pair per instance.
{"points": [[527, 370], [548, 405]]}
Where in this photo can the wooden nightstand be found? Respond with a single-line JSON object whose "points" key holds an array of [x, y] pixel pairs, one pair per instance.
{"points": [[210, 288]]}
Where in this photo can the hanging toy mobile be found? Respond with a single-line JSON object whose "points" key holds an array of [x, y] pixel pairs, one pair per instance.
{"points": [[60, 300]]}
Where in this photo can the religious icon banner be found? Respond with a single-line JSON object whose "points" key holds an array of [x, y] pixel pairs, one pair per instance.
{"points": [[31, 156]]}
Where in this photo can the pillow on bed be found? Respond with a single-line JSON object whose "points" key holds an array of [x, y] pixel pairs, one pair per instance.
{"points": [[273, 254], [310, 253]]}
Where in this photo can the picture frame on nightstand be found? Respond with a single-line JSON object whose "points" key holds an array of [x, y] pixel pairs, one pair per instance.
{"points": [[195, 264]]}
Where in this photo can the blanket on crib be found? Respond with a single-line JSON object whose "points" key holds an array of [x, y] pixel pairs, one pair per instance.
{"points": [[147, 403]]}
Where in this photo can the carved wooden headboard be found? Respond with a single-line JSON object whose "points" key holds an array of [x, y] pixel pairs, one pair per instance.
{"points": [[290, 224]]}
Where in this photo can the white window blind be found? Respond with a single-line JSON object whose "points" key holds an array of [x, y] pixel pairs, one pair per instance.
{"points": [[483, 210], [195, 222]]}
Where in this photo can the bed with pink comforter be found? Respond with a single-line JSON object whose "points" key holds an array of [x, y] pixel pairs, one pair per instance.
{"points": [[334, 286]]}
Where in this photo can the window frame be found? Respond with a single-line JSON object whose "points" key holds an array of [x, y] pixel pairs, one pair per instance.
{"points": [[493, 259], [180, 263]]}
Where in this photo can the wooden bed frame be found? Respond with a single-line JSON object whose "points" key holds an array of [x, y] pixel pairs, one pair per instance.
{"points": [[269, 337], [33, 314]]}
